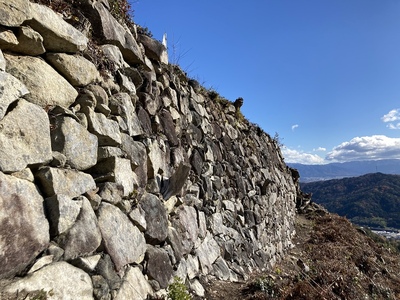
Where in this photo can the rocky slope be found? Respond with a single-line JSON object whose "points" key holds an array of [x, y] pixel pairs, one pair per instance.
{"points": [[117, 172]]}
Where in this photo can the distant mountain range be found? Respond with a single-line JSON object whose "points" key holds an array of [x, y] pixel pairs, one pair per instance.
{"points": [[371, 200], [310, 173]]}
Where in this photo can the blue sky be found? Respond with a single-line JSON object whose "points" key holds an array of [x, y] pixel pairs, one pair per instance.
{"points": [[323, 74]]}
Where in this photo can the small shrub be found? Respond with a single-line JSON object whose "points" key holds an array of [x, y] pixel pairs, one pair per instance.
{"points": [[178, 291]]}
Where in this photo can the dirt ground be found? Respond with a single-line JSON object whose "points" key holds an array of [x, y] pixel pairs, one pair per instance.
{"points": [[332, 259]]}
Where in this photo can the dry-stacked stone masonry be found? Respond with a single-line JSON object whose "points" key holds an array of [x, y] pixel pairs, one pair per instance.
{"points": [[114, 182]]}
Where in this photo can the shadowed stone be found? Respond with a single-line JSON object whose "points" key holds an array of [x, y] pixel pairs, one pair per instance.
{"points": [[159, 266], [24, 230], [156, 219], [173, 185]]}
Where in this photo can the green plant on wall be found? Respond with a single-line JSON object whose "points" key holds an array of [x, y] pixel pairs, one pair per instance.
{"points": [[177, 290]]}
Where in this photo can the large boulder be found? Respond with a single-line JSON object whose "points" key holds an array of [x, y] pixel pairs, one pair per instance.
{"points": [[24, 229], [14, 13], [58, 35], [75, 68], [24, 137], [123, 241], [11, 89], [74, 141], [46, 86], [58, 280]]}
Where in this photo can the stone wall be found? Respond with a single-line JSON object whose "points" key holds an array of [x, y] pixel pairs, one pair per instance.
{"points": [[115, 180]]}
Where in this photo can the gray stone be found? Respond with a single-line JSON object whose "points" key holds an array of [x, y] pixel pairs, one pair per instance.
{"points": [[113, 54], [25, 174], [107, 152], [116, 170], [101, 290], [106, 269], [67, 182], [154, 49], [221, 269], [14, 13], [25, 231], [169, 127], [24, 137], [74, 141], [197, 288], [75, 68], [88, 264], [159, 266], [137, 215], [207, 253], [121, 105], [134, 286], [192, 265], [156, 219], [105, 129], [58, 35], [137, 154], [186, 225], [10, 90], [41, 262], [114, 33], [173, 185], [84, 237], [46, 86], [176, 242], [8, 39], [126, 83], [101, 98], [111, 192], [2, 61], [62, 212], [122, 240], [60, 280], [30, 42]]}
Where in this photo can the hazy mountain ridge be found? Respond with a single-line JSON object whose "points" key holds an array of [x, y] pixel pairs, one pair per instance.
{"points": [[371, 200], [311, 173]]}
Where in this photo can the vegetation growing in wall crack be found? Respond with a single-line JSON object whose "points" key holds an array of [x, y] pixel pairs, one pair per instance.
{"points": [[177, 290]]}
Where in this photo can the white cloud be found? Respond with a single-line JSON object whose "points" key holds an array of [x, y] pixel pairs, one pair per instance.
{"points": [[393, 126], [320, 149], [295, 126], [294, 156], [391, 116], [366, 148]]}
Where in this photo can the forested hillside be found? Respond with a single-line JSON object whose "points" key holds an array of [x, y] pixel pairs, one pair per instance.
{"points": [[370, 200]]}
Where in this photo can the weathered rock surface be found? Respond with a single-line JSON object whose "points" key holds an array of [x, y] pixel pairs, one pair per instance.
{"points": [[84, 237], [66, 182], [75, 68], [24, 137], [74, 141], [46, 86], [14, 13], [156, 219], [134, 286], [24, 230], [10, 90], [58, 35], [159, 266], [125, 248], [59, 280]]}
